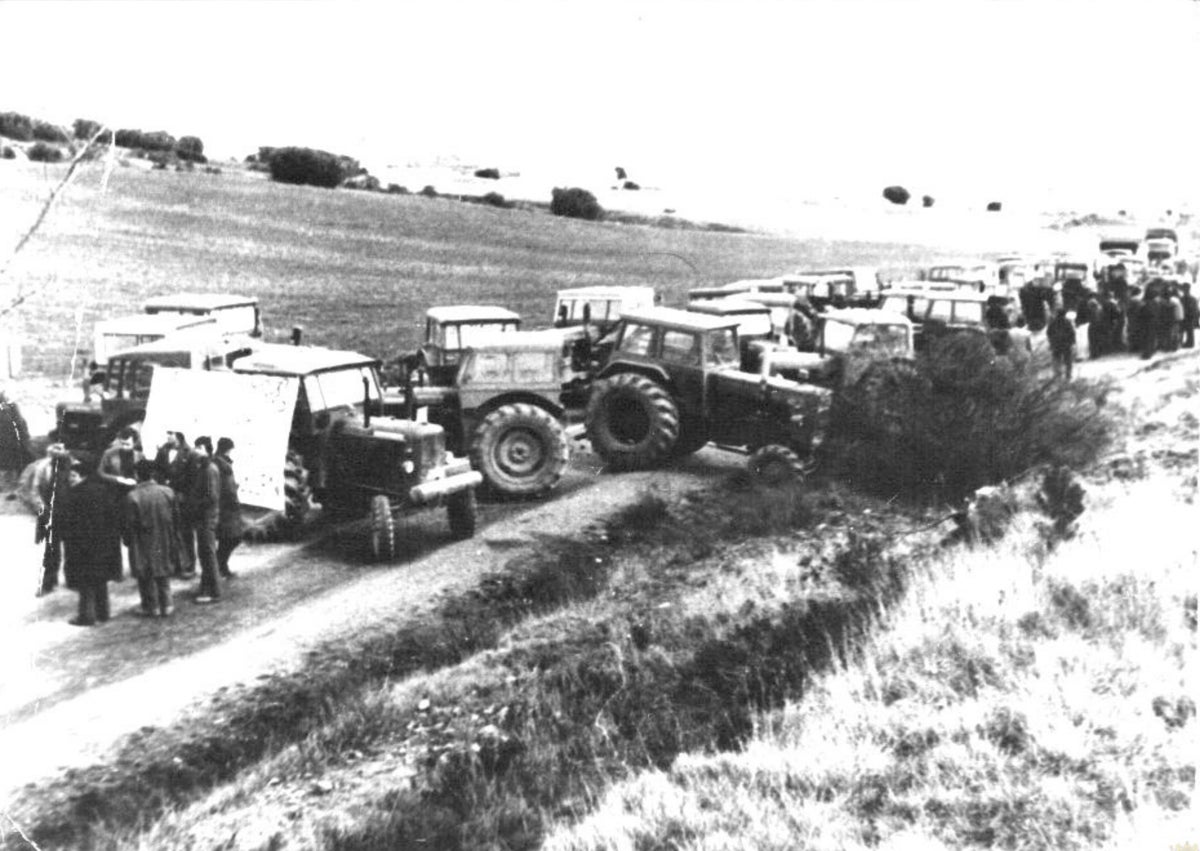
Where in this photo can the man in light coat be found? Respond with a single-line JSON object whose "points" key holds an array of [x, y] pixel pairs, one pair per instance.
{"points": [[148, 529]]}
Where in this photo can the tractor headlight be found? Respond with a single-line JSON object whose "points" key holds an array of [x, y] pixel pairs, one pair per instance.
{"points": [[408, 467]]}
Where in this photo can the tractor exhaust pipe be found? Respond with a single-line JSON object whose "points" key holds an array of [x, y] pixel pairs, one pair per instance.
{"points": [[297, 333], [366, 402]]}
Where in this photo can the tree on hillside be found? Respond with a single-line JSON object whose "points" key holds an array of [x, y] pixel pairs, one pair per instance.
{"points": [[897, 194], [190, 149], [85, 128], [575, 203], [44, 131], [306, 166], [16, 126]]}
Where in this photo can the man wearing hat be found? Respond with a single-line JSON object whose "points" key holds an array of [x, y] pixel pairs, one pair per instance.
{"points": [[88, 522], [229, 523]]}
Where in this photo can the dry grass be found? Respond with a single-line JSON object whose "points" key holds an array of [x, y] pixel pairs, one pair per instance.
{"points": [[994, 708], [357, 270]]}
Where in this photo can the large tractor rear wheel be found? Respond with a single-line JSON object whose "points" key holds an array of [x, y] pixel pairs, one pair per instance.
{"points": [[461, 511], [520, 449], [382, 535], [632, 421]]}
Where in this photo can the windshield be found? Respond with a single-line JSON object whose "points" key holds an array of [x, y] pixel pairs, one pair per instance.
{"points": [[601, 310], [457, 336], [724, 347], [342, 388]]}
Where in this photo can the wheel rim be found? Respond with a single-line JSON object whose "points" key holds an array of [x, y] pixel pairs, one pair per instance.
{"points": [[519, 453], [629, 422]]}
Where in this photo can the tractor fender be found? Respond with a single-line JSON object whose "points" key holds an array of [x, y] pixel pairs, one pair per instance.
{"points": [[653, 373], [518, 397]]}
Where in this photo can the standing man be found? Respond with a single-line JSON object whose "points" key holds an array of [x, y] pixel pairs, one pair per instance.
{"points": [[89, 525], [1191, 316], [203, 509], [229, 528], [148, 529], [118, 463], [42, 486], [175, 466], [1061, 335]]}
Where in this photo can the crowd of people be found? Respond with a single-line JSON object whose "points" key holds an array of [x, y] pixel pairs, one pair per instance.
{"points": [[1161, 315], [173, 513]]}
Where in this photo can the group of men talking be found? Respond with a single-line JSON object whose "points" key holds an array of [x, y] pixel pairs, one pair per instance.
{"points": [[171, 511]]}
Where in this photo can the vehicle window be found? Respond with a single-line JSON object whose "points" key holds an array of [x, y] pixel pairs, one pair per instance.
{"points": [[341, 388], [531, 367], [755, 325], [882, 339], [896, 304], [724, 347], [920, 307], [139, 376], [312, 390], [491, 366], [838, 335], [473, 335], [681, 347], [969, 312], [942, 310], [637, 339]]}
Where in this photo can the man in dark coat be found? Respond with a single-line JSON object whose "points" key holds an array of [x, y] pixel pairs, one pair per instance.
{"points": [[1114, 322], [118, 462], [1191, 316], [229, 527], [1033, 306], [175, 464], [89, 525], [203, 513], [14, 436], [1148, 325], [1060, 333], [148, 529]]}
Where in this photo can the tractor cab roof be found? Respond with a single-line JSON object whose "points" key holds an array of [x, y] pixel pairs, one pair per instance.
{"points": [[196, 302], [608, 292], [543, 340], [685, 320], [471, 313], [865, 316], [144, 324], [282, 359], [730, 306]]}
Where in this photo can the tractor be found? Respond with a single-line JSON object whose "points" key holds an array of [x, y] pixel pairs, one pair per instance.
{"points": [[348, 452], [449, 331], [116, 396], [506, 408], [673, 383]]}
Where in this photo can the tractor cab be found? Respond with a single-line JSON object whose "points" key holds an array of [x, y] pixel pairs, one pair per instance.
{"points": [[449, 331]]}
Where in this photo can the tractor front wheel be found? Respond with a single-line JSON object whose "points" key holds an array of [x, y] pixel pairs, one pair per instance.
{"points": [[775, 464], [632, 421], [383, 529]]}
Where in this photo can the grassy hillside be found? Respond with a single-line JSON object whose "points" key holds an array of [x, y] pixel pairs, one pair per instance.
{"points": [[356, 269]]}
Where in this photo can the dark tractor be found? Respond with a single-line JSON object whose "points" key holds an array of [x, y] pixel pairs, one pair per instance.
{"points": [[506, 409], [115, 396], [345, 454], [673, 383]]}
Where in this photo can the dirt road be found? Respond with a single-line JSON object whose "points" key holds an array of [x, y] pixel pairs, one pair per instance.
{"points": [[68, 693]]}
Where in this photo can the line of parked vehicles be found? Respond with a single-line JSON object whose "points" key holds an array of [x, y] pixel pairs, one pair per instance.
{"points": [[751, 366]]}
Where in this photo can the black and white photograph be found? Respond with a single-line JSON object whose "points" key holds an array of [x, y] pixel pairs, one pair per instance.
{"points": [[580, 426]]}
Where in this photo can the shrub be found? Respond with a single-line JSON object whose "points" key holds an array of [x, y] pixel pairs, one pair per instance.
{"points": [[495, 199], [926, 200], [85, 128], [575, 203], [961, 418], [127, 138], [397, 189], [8, 153], [429, 192], [190, 149], [896, 194], [488, 173], [629, 184], [305, 166], [40, 152], [993, 206], [46, 132], [621, 174], [16, 126]]}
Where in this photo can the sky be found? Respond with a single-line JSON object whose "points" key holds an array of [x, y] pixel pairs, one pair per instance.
{"points": [[1086, 99]]}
